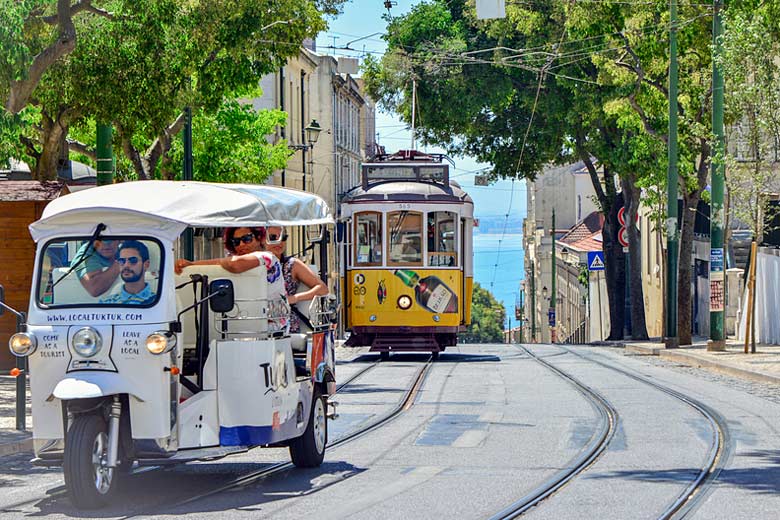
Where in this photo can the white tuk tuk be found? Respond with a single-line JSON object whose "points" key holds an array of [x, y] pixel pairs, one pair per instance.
{"points": [[161, 368]]}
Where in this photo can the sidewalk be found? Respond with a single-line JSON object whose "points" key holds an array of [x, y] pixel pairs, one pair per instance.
{"points": [[763, 366], [11, 440]]}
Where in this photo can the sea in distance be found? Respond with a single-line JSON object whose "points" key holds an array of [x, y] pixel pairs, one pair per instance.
{"points": [[499, 259]]}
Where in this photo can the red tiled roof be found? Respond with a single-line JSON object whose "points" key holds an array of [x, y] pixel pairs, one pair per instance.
{"points": [[591, 243], [588, 227], [28, 191]]}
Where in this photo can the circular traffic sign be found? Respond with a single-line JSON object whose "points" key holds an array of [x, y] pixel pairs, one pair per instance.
{"points": [[622, 216], [623, 237]]}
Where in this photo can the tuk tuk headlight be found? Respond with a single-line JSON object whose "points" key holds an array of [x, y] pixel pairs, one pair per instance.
{"points": [[160, 342], [87, 342], [23, 344]]}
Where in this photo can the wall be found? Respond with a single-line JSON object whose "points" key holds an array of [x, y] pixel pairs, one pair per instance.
{"points": [[17, 256]]}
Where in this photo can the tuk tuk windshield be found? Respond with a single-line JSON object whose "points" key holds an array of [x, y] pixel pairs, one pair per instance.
{"points": [[115, 271]]}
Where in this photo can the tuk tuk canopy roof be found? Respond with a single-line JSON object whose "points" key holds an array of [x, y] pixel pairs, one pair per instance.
{"points": [[169, 207]]}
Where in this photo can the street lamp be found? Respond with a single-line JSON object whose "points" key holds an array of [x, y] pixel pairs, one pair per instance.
{"points": [[311, 133]]}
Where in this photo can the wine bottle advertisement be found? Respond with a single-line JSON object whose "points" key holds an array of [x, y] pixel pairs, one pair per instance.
{"points": [[405, 296]]}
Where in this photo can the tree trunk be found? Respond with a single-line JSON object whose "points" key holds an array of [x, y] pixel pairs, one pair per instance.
{"points": [[52, 137], [684, 273], [632, 196], [614, 263]]}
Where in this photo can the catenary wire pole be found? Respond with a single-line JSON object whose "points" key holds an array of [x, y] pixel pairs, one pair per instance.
{"points": [[671, 336], [717, 215]]}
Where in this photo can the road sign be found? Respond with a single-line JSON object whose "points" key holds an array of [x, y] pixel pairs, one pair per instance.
{"points": [[551, 316], [622, 216], [623, 237], [595, 260]]}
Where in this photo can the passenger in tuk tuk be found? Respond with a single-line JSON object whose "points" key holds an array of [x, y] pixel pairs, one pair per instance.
{"points": [[98, 267], [244, 246], [294, 272], [134, 261]]}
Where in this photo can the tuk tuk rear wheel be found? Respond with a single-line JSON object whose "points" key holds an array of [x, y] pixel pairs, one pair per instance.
{"points": [[89, 481], [308, 450]]}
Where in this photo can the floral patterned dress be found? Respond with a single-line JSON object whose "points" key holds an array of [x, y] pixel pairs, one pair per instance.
{"points": [[291, 284]]}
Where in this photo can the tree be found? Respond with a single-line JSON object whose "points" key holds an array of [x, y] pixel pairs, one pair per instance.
{"points": [[487, 318], [139, 67], [231, 145], [34, 36], [749, 61], [517, 94]]}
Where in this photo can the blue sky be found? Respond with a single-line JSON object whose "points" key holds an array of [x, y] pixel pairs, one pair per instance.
{"points": [[360, 27]]}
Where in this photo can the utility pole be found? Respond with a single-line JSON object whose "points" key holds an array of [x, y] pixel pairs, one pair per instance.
{"points": [[105, 155], [717, 340], [533, 300], [554, 295], [188, 246], [672, 338]]}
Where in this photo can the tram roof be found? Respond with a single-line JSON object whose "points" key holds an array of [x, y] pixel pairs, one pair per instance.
{"points": [[409, 191], [170, 206]]}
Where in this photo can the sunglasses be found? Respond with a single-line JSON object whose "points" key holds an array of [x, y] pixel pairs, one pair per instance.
{"points": [[274, 237], [132, 260], [245, 239]]}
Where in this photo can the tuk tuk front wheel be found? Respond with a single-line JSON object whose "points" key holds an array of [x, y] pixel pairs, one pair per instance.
{"points": [[308, 450], [90, 482]]}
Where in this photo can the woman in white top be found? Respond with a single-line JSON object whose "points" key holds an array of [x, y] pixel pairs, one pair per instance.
{"points": [[244, 245]]}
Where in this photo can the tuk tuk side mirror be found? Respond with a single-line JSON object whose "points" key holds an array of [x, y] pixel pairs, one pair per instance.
{"points": [[221, 296]]}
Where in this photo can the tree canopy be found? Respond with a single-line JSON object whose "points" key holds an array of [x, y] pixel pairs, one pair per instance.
{"points": [[487, 318], [138, 63]]}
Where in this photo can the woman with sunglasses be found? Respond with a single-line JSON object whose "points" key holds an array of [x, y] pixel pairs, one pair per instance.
{"points": [[294, 272], [244, 246]]}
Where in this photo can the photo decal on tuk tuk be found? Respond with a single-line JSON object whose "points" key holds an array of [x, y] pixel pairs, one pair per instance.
{"points": [[109, 271]]}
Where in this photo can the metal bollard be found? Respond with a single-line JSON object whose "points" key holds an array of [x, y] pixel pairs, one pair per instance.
{"points": [[21, 381]]}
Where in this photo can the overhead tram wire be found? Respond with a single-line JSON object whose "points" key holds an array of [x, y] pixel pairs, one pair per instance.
{"points": [[542, 74]]}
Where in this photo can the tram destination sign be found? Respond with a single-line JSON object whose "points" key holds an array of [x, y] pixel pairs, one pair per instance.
{"points": [[376, 172]]}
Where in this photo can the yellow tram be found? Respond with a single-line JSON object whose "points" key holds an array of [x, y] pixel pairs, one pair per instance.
{"points": [[407, 271]]}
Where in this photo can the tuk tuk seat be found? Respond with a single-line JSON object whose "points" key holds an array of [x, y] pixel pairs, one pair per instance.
{"points": [[250, 291]]}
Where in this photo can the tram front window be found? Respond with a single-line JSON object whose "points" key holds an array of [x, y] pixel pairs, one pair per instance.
{"points": [[368, 232], [404, 238], [441, 239]]}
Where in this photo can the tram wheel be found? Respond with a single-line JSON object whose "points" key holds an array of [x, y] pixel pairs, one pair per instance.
{"points": [[90, 482], [308, 450]]}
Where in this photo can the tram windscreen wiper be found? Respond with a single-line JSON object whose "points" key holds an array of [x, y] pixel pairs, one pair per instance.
{"points": [[95, 236]]}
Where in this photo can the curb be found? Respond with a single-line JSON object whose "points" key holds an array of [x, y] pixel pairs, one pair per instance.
{"points": [[695, 360], [699, 362], [18, 446]]}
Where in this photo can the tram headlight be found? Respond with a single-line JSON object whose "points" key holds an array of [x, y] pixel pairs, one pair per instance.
{"points": [[404, 301], [87, 342], [22, 344], [160, 342]]}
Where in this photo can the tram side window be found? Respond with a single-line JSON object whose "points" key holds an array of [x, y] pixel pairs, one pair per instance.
{"points": [[404, 230], [368, 246], [441, 239]]}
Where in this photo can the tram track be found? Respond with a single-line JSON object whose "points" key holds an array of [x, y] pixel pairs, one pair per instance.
{"points": [[406, 402], [598, 443], [720, 444], [719, 453]]}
